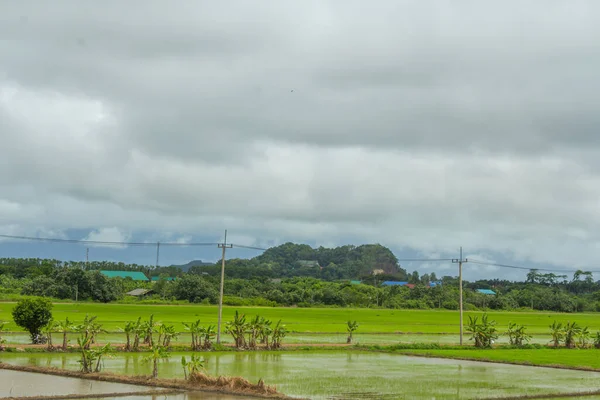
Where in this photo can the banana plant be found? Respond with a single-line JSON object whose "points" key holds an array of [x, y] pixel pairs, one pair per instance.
{"points": [[351, 327], [157, 352]]}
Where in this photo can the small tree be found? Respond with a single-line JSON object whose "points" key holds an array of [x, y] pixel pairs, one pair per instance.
{"points": [[32, 314], [196, 331], [236, 329], [482, 333], [597, 340], [571, 332], [352, 326], [193, 366], [557, 333], [2, 341], [516, 334], [584, 337], [279, 332], [64, 327], [156, 353], [48, 330]]}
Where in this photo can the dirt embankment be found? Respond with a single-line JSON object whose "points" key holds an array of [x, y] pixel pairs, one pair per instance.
{"points": [[199, 382]]}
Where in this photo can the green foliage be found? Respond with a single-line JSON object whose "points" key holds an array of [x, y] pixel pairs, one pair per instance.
{"points": [[157, 352], [32, 314], [351, 326], [517, 335], [597, 340], [194, 365], [2, 340], [571, 332], [483, 333], [557, 333]]}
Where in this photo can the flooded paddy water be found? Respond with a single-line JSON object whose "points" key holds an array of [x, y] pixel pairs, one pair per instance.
{"points": [[352, 374], [20, 384], [116, 338]]}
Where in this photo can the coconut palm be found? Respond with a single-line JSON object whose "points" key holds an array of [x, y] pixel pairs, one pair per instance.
{"points": [[351, 327]]}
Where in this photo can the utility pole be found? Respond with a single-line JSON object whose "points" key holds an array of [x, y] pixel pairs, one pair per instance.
{"points": [[223, 246], [87, 258], [460, 262], [157, 252]]}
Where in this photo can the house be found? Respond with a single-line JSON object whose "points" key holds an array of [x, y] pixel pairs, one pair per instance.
{"points": [[398, 283], [355, 282], [139, 292], [435, 283], [135, 275], [157, 278], [377, 272], [486, 291]]}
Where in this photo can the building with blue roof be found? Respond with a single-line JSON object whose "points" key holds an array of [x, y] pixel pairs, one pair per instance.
{"points": [[486, 291]]}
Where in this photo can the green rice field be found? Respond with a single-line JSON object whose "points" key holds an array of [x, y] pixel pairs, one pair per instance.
{"points": [[574, 358], [308, 320], [354, 375]]}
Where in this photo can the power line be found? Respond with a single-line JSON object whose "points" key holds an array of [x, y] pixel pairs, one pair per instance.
{"points": [[522, 268], [116, 243], [424, 259]]}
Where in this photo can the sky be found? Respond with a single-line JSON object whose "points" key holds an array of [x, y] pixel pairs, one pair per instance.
{"points": [[421, 125]]}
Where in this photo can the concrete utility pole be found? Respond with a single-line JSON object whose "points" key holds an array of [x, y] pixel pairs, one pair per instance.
{"points": [[460, 262], [223, 245], [157, 252]]}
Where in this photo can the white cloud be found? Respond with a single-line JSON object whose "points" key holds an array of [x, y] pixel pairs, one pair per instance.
{"points": [[108, 235]]}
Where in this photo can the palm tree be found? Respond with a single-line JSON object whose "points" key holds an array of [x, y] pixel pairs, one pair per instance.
{"points": [[556, 330], [156, 353], [64, 327], [352, 326]]}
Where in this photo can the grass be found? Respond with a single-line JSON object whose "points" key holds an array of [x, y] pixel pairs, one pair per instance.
{"points": [[307, 320], [569, 358]]}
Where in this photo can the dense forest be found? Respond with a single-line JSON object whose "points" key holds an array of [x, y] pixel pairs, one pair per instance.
{"points": [[298, 275]]}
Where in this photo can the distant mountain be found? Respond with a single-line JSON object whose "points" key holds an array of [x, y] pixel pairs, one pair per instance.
{"points": [[194, 263]]}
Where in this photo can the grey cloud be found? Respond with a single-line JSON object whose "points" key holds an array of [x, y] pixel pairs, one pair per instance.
{"points": [[424, 123]]}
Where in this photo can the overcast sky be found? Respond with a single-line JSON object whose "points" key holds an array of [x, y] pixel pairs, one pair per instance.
{"points": [[421, 125]]}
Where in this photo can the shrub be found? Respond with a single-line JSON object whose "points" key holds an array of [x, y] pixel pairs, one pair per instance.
{"points": [[32, 314]]}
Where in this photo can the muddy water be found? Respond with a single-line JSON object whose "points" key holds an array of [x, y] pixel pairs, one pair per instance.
{"points": [[18, 383]]}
